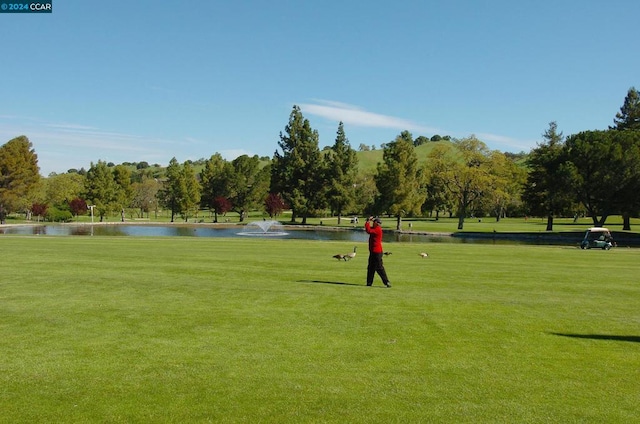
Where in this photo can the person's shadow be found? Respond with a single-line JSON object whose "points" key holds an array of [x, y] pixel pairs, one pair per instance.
{"points": [[337, 283], [613, 337]]}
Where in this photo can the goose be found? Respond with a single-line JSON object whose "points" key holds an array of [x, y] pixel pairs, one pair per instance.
{"points": [[351, 255], [424, 255], [339, 257], [386, 253]]}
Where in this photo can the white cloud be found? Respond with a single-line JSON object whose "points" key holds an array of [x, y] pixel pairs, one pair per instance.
{"points": [[357, 116], [354, 115]]}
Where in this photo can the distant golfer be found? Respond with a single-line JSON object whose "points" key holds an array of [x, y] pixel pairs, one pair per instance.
{"points": [[373, 228]]}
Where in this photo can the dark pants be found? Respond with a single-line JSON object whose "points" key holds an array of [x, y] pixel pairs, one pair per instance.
{"points": [[375, 265]]}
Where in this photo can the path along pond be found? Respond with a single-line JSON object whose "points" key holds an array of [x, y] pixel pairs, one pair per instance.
{"points": [[276, 231]]}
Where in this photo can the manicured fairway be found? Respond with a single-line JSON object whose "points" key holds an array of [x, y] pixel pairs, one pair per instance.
{"points": [[178, 330]]}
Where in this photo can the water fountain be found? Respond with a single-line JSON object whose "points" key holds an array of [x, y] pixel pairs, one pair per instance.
{"points": [[263, 228]]}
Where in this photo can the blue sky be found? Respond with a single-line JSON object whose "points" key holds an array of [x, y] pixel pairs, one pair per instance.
{"points": [[150, 80]]}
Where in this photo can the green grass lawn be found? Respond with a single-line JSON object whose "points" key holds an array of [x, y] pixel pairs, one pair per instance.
{"points": [[175, 330]]}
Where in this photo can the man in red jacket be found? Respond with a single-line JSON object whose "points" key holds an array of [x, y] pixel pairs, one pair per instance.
{"points": [[374, 229]]}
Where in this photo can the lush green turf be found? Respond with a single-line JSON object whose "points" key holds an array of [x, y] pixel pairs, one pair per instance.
{"points": [[253, 330]]}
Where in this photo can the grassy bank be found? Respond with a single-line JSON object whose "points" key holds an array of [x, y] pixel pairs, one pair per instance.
{"points": [[235, 330]]}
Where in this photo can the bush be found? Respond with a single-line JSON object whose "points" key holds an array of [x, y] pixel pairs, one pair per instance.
{"points": [[56, 215]]}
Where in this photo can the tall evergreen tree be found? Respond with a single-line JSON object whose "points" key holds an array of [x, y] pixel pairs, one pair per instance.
{"points": [[548, 190], [341, 171], [296, 173], [399, 179], [19, 175], [629, 116]]}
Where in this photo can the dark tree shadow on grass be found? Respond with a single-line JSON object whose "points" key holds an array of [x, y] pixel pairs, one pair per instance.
{"points": [[613, 337]]}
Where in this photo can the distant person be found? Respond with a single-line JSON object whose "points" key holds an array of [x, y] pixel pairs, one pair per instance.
{"points": [[374, 229]]}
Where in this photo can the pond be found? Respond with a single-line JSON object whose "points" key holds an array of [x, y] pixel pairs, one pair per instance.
{"points": [[356, 235]]}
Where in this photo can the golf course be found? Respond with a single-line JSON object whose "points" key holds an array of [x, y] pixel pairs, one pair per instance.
{"points": [[253, 330]]}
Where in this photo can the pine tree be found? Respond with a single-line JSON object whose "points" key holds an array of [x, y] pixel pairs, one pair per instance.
{"points": [[629, 116], [548, 190], [296, 173], [341, 172], [399, 179]]}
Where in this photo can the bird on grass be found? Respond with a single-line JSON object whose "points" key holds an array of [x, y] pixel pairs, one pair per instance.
{"points": [[351, 255], [346, 256], [386, 253], [424, 255]]}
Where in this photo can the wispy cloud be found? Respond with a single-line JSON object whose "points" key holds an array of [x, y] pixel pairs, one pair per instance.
{"points": [[62, 145], [357, 116]]}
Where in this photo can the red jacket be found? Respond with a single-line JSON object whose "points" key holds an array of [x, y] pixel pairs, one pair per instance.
{"points": [[375, 237]]}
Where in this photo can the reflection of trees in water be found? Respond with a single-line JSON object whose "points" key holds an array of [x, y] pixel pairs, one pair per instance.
{"points": [[354, 235]]}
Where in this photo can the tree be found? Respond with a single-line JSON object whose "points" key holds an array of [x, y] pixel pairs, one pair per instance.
{"points": [[274, 205], [399, 179], [39, 210], [629, 116], [101, 189], [341, 170], [248, 184], [419, 141], [174, 188], [296, 173], [124, 189], [606, 167], [437, 196], [145, 195], [215, 182], [19, 175], [548, 190], [221, 205], [467, 177], [78, 206], [191, 197], [60, 189], [507, 180]]}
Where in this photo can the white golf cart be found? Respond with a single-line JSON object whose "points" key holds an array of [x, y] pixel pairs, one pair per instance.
{"points": [[598, 238]]}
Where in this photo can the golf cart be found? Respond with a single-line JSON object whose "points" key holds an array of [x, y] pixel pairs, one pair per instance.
{"points": [[597, 237]]}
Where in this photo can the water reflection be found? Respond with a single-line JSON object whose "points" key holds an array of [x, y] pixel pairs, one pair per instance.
{"points": [[349, 235]]}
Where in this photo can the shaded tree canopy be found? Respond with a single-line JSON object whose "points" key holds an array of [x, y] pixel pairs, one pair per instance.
{"points": [[606, 167], [548, 189]]}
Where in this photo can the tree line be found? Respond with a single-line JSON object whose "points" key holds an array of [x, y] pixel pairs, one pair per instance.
{"points": [[594, 173]]}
